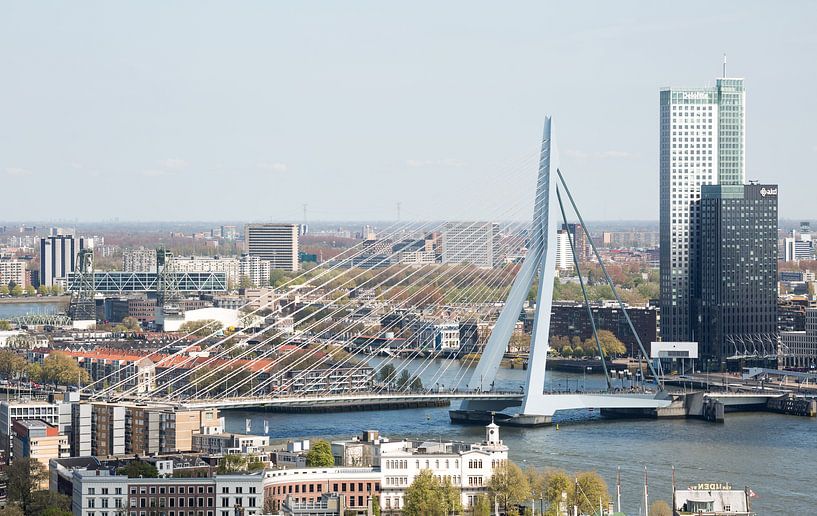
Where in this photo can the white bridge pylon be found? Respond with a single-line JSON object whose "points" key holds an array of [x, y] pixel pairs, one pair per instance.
{"points": [[541, 258]]}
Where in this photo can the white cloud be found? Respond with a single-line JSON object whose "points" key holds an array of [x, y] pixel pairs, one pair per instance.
{"points": [[447, 162], [17, 171], [173, 164], [276, 167]]}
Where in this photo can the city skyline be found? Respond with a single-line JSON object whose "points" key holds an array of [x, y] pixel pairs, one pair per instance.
{"points": [[189, 113]]}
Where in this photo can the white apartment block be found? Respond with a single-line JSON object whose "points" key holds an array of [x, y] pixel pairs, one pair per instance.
{"points": [[474, 243], [139, 260], [276, 243], [13, 270], [702, 142], [564, 253], [229, 266], [799, 348]]}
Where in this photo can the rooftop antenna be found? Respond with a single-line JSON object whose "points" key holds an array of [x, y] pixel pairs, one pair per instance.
{"points": [[724, 65]]}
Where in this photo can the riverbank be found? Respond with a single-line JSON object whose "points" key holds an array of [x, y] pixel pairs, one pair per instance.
{"points": [[62, 300]]}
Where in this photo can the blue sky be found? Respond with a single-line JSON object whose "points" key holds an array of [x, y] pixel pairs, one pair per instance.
{"points": [[247, 110]]}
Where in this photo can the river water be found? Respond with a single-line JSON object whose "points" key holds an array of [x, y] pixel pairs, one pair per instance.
{"points": [[10, 310], [771, 453]]}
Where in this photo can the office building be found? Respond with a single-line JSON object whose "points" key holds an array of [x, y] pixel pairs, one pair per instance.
{"points": [[474, 243], [564, 254], [798, 349], [11, 411], [702, 142], [13, 271], [799, 247], [107, 429], [276, 243], [36, 439], [139, 260], [58, 255], [229, 232], [229, 266], [737, 263]]}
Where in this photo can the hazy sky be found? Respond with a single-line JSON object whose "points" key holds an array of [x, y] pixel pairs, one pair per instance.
{"points": [[247, 110]]}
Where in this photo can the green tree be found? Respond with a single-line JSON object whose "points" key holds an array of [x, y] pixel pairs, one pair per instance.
{"points": [[555, 482], [5, 325], [431, 496], [11, 509], [610, 344], [31, 291], [56, 290], [4, 290], [320, 455], [43, 290], [660, 508], [47, 503], [416, 384], [386, 373], [139, 469], [17, 291], [482, 506], [201, 328], [376, 506], [60, 369], [509, 485], [24, 477], [132, 323], [12, 365], [236, 463], [592, 489], [404, 380]]}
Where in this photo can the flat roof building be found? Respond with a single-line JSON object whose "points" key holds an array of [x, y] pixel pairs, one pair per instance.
{"points": [[277, 243]]}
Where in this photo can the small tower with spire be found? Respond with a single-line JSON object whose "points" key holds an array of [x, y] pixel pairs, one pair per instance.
{"points": [[492, 434]]}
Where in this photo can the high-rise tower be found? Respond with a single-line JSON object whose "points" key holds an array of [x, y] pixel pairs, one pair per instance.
{"points": [[703, 142]]}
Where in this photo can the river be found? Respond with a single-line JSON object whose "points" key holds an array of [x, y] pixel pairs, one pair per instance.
{"points": [[771, 453], [10, 310]]}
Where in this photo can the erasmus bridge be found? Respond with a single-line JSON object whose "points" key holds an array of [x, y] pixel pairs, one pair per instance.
{"points": [[179, 378]]}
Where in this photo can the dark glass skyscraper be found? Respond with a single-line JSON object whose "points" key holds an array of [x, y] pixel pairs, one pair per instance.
{"points": [[736, 288]]}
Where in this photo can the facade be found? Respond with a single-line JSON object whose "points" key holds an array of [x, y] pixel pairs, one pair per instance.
{"points": [[474, 243], [712, 499], [702, 142], [570, 320], [11, 411], [799, 348], [58, 255], [276, 243], [139, 260], [468, 466], [564, 254], [107, 429], [737, 262], [255, 269], [13, 270], [40, 441], [229, 266], [357, 486], [97, 492]]}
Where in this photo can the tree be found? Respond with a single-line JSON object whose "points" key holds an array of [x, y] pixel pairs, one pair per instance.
{"points": [[509, 485], [431, 496], [47, 503], [4, 290], [5, 325], [404, 380], [139, 469], [24, 477], [592, 489], [201, 328], [320, 455], [11, 509], [660, 508], [236, 463], [11, 364], [610, 344], [386, 373], [56, 290], [376, 506], [31, 291], [416, 384], [17, 291], [132, 323], [43, 290], [60, 369], [482, 506], [555, 482]]}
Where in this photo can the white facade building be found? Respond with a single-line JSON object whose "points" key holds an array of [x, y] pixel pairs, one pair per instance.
{"points": [[564, 254], [474, 243], [468, 467], [702, 142], [229, 266], [139, 260], [276, 243]]}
